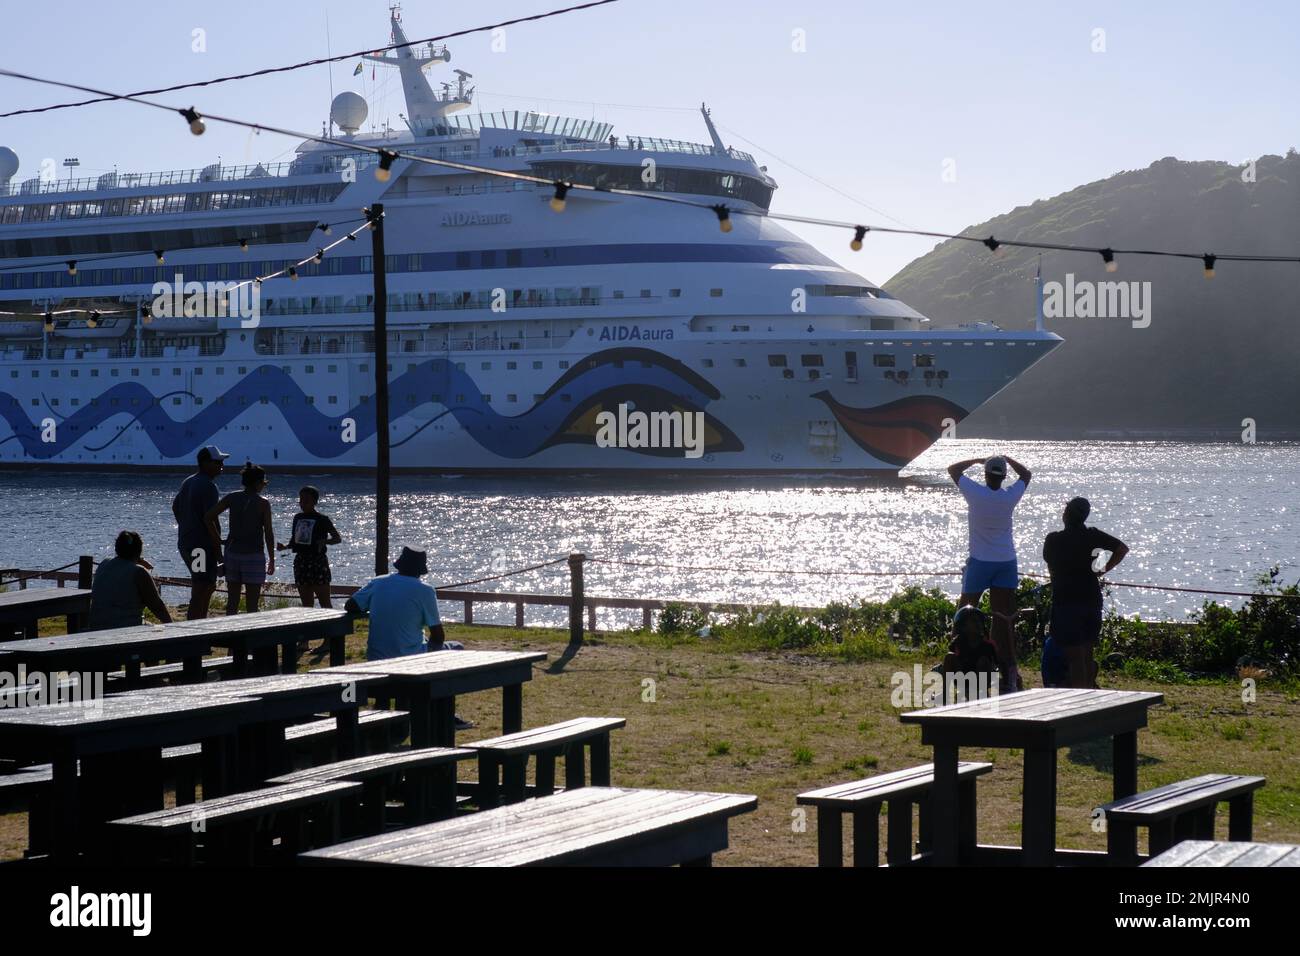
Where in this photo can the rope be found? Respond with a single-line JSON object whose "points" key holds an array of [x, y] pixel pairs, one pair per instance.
{"points": [[505, 574], [39, 574]]}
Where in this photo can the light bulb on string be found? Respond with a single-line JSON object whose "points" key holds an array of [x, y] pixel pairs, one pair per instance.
{"points": [[92, 320], [724, 217], [146, 316], [384, 171], [158, 254], [49, 321], [993, 245], [195, 121], [325, 228], [72, 267], [1209, 259], [320, 255], [561, 190], [293, 273], [243, 245], [1108, 257], [858, 233]]}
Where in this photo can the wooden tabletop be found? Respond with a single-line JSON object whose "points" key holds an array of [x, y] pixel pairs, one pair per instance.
{"points": [[433, 663], [1062, 715], [590, 825], [31, 599], [115, 711], [1208, 853], [284, 618], [273, 685], [113, 645]]}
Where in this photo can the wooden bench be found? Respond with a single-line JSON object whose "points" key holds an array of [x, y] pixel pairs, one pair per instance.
{"points": [[900, 789], [380, 730], [156, 674], [1179, 811], [426, 776], [590, 826], [503, 761], [236, 829]]}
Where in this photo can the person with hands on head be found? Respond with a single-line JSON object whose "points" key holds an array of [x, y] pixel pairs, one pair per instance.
{"points": [[991, 562]]}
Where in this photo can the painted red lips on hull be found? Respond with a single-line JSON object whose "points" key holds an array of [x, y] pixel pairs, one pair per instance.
{"points": [[896, 432]]}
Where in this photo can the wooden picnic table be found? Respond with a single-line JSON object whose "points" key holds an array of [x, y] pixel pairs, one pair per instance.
{"points": [[429, 684], [281, 700], [117, 741], [264, 632], [23, 609], [1039, 722], [104, 651], [592, 826], [1209, 853]]}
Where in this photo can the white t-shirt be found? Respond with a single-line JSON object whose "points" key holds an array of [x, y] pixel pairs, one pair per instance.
{"points": [[989, 517]]}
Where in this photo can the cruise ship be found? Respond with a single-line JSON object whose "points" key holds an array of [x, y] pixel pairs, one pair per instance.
{"points": [[511, 328]]}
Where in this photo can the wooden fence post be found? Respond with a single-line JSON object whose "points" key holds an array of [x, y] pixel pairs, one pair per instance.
{"points": [[85, 571], [575, 600]]}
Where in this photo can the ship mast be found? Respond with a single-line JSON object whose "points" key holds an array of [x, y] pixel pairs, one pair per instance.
{"points": [[424, 107]]}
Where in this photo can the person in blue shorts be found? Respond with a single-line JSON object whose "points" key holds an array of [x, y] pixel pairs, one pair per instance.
{"points": [[991, 564]]}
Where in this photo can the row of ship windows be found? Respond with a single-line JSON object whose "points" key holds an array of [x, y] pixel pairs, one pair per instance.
{"points": [[169, 203], [308, 369], [411, 397]]}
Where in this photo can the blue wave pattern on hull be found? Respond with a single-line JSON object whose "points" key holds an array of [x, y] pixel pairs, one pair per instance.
{"points": [[510, 436]]}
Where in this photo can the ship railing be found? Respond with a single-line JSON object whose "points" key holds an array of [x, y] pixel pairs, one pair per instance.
{"points": [[173, 177], [275, 309]]}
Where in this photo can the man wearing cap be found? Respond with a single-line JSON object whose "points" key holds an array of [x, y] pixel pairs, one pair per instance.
{"points": [[200, 550], [1071, 556], [991, 564]]}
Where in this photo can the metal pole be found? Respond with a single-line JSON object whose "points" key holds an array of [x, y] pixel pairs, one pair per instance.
{"points": [[376, 216]]}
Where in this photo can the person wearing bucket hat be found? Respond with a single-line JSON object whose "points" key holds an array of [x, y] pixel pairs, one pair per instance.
{"points": [[1072, 561], [400, 607], [991, 561]]}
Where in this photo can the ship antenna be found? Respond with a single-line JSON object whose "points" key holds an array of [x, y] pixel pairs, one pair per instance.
{"points": [[1038, 282]]}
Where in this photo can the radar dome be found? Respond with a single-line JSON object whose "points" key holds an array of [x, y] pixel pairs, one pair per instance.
{"points": [[8, 164], [349, 111]]}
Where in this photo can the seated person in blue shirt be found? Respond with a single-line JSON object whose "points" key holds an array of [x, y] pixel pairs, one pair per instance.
{"points": [[400, 607]]}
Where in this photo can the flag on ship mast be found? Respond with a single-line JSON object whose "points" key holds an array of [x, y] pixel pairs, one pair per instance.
{"points": [[357, 71]]}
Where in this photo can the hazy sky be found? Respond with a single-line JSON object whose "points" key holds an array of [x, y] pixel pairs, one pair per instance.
{"points": [[874, 99]]}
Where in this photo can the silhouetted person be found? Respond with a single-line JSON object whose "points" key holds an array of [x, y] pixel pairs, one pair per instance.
{"points": [[122, 588], [991, 564], [970, 652], [310, 535], [200, 547], [250, 546], [1071, 556]]}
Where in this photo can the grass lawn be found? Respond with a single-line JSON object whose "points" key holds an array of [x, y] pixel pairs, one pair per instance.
{"points": [[705, 717]]}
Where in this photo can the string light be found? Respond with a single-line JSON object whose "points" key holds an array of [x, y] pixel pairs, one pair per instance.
{"points": [[92, 320], [293, 273], [195, 121], [858, 233], [724, 217], [561, 190], [49, 321], [325, 228], [1209, 261], [1108, 257], [994, 246], [72, 267], [384, 171], [320, 255], [158, 254], [146, 316], [243, 245]]}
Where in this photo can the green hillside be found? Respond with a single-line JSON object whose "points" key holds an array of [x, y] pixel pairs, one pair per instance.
{"points": [[1216, 351]]}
